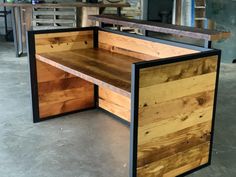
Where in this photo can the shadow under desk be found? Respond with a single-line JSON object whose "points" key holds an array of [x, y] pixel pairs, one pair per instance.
{"points": [[166, 91]]}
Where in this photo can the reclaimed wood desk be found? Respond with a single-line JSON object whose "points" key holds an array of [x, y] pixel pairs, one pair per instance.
{"points": [[166, 91]]}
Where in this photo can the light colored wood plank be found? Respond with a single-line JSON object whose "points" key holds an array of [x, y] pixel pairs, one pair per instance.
{"points": [[164, 166], [176, 89], [115, 103], [173, 143], [154, 130], [176, 71], [154, 49], [161, 111], [126, 52], [55, 42]]}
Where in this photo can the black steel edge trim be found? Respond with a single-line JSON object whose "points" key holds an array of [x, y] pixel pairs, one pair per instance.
{"points": [[134, 120], [146, 64], [162, 41], [215, 106], [33, 76], [64, 114], [62, 30]]}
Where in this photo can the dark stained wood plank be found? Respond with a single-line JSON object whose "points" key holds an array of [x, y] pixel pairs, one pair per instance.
{"points": [[101, 67], [196, 33]]}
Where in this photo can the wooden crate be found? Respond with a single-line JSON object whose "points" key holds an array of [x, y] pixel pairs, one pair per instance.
{"points": [[54, 18]]}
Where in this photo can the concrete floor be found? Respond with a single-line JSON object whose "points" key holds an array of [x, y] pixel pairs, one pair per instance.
{"points": [[87, 144]]}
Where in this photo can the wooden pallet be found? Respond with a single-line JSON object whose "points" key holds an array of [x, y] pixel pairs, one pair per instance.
{"points": [[54, 18]]}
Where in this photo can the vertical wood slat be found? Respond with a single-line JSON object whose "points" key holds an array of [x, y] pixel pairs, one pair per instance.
{"points": [[175, 140]]}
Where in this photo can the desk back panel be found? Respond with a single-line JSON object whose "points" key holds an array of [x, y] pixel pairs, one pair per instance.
{"points": [[140, 48], [173, 106]]}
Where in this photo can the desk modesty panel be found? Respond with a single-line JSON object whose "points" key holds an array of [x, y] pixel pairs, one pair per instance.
{"points": [[165, 90]]}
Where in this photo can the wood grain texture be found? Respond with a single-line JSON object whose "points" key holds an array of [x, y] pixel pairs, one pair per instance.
{"points": [[115, 103], [60, 92], [195, 33], [175, 116], [101, 67], [65, 41], [139, 47]]}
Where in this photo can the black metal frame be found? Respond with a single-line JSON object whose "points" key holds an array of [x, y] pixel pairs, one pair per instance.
{"points": [[135, 102], [134, 85]]}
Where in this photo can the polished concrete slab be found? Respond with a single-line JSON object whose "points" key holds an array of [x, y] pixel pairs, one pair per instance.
{"points": [[87, 144]]}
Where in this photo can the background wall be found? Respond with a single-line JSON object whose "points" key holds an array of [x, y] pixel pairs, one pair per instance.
{"points": [[223, 12]]}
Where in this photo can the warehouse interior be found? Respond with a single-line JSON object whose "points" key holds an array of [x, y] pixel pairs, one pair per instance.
{"points": [[96, 143]]}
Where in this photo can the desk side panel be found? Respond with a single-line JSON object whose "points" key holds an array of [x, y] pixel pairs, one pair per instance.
{"points": [[60, 92], [56, 92], [139, 48], [176, 103]]}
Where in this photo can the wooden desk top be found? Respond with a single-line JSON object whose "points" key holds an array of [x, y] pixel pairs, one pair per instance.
{"points": [[98, 66], [75, 4], [195, 33]]}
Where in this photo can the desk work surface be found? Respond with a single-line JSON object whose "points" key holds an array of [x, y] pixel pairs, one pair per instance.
{"points": [[98, 66]]}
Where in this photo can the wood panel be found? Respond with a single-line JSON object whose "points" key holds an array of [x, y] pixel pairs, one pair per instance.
{"points": [[175, 111], [139, 47], [60, 92], [54, 42], [115, 103], [101, 67]]}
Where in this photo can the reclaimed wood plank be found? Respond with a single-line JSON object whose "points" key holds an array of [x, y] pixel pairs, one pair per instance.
{"points": [[54, 42], [115, 103], [141, 46]]}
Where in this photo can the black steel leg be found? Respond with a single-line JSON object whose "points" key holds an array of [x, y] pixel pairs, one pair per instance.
{"points": [[119, 14]]}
